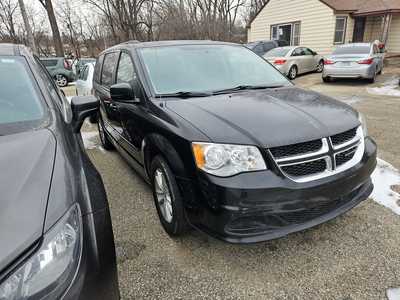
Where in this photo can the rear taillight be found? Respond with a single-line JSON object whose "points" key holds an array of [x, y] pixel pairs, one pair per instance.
{"points": [[367, 61], [67, 65], [279, 61], [328, 62]]}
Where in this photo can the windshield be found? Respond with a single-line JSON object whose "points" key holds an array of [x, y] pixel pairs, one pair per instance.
{"points": [[19, 101], [206, 68], [352, 50], [277, 52], [251, 45]]}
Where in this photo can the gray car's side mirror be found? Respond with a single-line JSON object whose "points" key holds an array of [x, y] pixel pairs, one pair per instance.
{"points": [[123, 92], [82, 107]]}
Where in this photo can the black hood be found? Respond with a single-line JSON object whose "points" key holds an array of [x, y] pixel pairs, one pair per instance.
{"points": [[26, 164], [269, 118]]}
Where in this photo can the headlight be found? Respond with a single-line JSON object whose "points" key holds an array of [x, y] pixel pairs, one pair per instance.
{"points": [[49, 272], [227, 160], [363, 124]]}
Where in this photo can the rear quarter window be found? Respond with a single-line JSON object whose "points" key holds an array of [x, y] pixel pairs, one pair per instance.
{"points": [[109, 65]]}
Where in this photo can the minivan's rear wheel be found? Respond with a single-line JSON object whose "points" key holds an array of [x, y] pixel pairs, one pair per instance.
{"points": [[104, 139], [61, 80], [292, 72], [167, 198]]}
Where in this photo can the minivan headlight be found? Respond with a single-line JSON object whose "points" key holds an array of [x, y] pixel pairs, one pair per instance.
{"points": [[227, 160], [361, 118], [49, 272]]}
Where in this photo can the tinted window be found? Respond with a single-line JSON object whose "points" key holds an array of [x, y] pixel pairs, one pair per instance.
{"points": [[97, 69], [110, 62], [206, 68], [307, 51], [49, 62], [277, 52], [126, 71], [352, 49], [268, 46], [19, 101]]}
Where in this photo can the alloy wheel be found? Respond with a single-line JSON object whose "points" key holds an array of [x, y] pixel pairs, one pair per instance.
{"points": [[292, 73], [320, 67], [61, 80], [164, 200]]}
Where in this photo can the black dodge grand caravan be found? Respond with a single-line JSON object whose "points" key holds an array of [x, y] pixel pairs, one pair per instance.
{"points": [[228, 144]]}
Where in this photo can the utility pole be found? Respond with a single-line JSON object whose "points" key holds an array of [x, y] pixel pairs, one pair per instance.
{"points": [[31, 40]]}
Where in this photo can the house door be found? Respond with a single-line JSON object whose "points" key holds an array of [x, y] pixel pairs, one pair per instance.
{"points": [[359, 28], [285, 33]]}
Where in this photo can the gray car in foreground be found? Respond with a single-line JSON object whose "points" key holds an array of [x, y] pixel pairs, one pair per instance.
{"points": [[292, 61], [357, 60]]}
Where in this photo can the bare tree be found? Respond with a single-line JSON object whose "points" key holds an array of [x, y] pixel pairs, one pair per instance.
{"points": [[58, 45], [31, 40], [8, 10]]}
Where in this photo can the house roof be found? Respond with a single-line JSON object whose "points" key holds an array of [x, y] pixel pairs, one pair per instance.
{"points": [[355, 7]]}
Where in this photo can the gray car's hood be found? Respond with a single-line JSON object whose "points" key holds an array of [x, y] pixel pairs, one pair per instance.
{"points": [[26, 164], [268, 118]]}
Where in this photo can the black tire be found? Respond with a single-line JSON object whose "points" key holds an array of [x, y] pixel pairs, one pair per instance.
{"points": [[292, 74], [104, 139], [326, 79], [320, 66], [93, 119], [373, 79], [177, 225], [380, 71], [61, 80]]}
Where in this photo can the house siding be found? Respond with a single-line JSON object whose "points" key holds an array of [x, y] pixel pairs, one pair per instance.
{"points": [[317, 23], [393, 42]]}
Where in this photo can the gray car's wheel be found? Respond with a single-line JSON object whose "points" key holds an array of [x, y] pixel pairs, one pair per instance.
{"points": [[61, 80], [373, 79], [326, 79], [320, 66], [292, 72], [167, 198]]}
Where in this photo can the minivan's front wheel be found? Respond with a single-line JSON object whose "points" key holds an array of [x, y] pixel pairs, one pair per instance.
{"points": [[167, 198]]}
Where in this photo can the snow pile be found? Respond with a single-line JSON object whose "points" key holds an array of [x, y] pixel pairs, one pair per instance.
{"points": [[352, 99], [393, 294], [385, 176], [91, 140], [389, 88]]}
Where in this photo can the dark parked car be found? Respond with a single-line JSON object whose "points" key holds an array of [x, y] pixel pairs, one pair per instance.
{"points": [[228, 144], [262, 47], [60, 69], [55, 227]]}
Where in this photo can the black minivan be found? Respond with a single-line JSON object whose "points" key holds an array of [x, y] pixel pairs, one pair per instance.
{"points": [[228, 144], [56, 238]]}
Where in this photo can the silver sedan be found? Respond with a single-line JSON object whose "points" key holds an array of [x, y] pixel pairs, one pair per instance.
{"points": [[292, 61], [358, 60]]}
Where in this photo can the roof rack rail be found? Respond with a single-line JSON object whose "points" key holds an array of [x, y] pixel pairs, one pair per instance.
{"points": [[131, 42]]}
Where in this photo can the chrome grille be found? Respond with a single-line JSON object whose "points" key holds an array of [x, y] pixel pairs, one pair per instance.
{"points": [[316, 159]]}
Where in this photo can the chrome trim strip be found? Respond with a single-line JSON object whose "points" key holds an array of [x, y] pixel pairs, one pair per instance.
{"points": [[324, 149]]}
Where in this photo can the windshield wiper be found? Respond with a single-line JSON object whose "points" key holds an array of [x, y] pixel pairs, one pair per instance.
{"points": [[246, 87], [185, 94]]}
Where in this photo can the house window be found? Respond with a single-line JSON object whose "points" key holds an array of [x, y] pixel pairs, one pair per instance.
{"points": [[340, 30], [288, 32]]}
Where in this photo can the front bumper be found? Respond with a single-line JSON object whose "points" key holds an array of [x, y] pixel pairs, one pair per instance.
{"points": [[359, 71], [259, 206]]}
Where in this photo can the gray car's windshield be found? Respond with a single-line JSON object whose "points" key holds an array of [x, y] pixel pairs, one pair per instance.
{"points": [[20, 105], [352, 49], [207, 68], [277, 52]]}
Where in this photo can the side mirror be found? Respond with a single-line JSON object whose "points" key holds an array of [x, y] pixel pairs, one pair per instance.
{"points": [[122, 92], [83, 107]]}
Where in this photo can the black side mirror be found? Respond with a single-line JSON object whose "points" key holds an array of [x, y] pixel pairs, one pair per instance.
{"points": [[83, 107], [122, 92]]}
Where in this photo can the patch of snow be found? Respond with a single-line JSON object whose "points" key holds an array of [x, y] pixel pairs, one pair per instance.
{"points": [[69, 98], [90, 139], [385, 176], [389, 88], [72, 83], [350, 99], [393, 294]]}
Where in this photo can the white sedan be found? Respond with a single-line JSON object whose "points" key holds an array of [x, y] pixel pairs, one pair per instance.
{"points": [[295, 60], [84, 84]]}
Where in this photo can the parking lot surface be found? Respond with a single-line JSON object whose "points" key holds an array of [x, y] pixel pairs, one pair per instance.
{"points": [[355, 256]]}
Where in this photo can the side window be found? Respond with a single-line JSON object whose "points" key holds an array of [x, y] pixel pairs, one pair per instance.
{"points": [[107, 73], [307, 51], [85, 73], [296, 52], [126, 71], [49, 62], [97, 69]]}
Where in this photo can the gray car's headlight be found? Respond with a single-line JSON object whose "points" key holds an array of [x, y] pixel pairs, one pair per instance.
{"points": [[227, 160], [361, 118], [52, 268]]}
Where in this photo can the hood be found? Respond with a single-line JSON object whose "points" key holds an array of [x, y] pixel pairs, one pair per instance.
{"points": [[26, 161], [269, 118]]}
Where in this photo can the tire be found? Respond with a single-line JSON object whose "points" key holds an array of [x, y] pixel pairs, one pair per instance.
{"points": [[320, 67], [104, 139], [93, 119], [167, 198], [292, 74], [326, 79], [61, 80], [372, 80]]}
